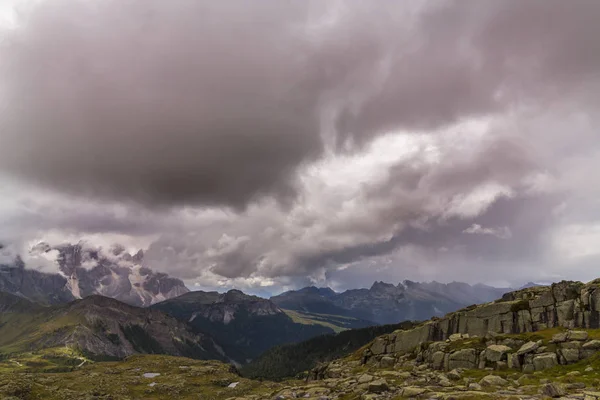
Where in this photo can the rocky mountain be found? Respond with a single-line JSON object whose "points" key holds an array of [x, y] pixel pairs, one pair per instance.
{"points": [[99, 328], [34, 285], [84, 270], [385, 303], [245, 325]]}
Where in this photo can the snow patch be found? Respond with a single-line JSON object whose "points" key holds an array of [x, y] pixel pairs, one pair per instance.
{"points": [[228, 316]]}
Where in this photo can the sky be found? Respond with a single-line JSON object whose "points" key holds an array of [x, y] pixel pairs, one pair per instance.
{"points": [[277, 144]]}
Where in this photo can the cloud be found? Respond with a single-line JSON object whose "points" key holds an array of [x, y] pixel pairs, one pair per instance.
{"points": [[212, 103], [279, 144], [500, 233]]}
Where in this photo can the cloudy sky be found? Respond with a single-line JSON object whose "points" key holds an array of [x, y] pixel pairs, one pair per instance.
{"points": [[273, 144]]}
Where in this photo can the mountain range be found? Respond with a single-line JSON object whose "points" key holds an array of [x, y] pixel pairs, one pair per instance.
{"points": [[385, 303], [115, 285]]}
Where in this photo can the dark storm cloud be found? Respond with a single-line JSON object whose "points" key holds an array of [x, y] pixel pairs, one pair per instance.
{"points": [[195, 103], [466, 58], [219, 102], [164, 102]]}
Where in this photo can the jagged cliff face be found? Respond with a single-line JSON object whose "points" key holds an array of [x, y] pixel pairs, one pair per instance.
{"points": [[565, 304], [86, 271]]}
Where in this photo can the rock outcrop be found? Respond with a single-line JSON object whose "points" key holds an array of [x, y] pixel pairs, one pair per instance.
{"points": [[566, 304]]}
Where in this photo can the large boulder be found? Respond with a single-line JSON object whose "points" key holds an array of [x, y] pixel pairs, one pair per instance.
{"points": [[437, 360], [493, 380], [560, 337], [465, 358], [592, 345], [578, 335], [569, 355], [496, 352], [544, 361], [529, 347], [387, 362], [513, 361], [378, 386], [553, 390], [379, 345]]}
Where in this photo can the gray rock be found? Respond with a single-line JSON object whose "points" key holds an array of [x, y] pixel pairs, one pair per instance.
{"points": [[570, 355], [413, 391], [513, 361], [528, 347], [387, 362], [493, 380], [592, 345], [437, 360], [378, 386], [552, 390], [528, 368], [378, 346], [365, 378], [578, 335], [465, 358], [496, 352], [458, 336], [570, 345], [545, 361], [454, 375], [560, 337], [501, 365]]}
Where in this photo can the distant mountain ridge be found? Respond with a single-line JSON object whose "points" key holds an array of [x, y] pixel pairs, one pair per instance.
{"points": [[385, 303], [85, 271]]}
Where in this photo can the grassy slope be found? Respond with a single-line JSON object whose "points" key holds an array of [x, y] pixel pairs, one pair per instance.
{"points": [[25, 325], [180, 378]]}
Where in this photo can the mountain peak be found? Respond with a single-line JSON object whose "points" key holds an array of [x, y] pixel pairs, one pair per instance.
{"points": [[382, 286], [323, 291], [86, 270]]}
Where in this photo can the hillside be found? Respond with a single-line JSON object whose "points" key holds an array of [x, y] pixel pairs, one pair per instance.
{"points": [[98, 328]]}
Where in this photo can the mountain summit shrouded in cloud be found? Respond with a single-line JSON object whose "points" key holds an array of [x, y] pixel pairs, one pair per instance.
{"points": [[273, 145]]}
